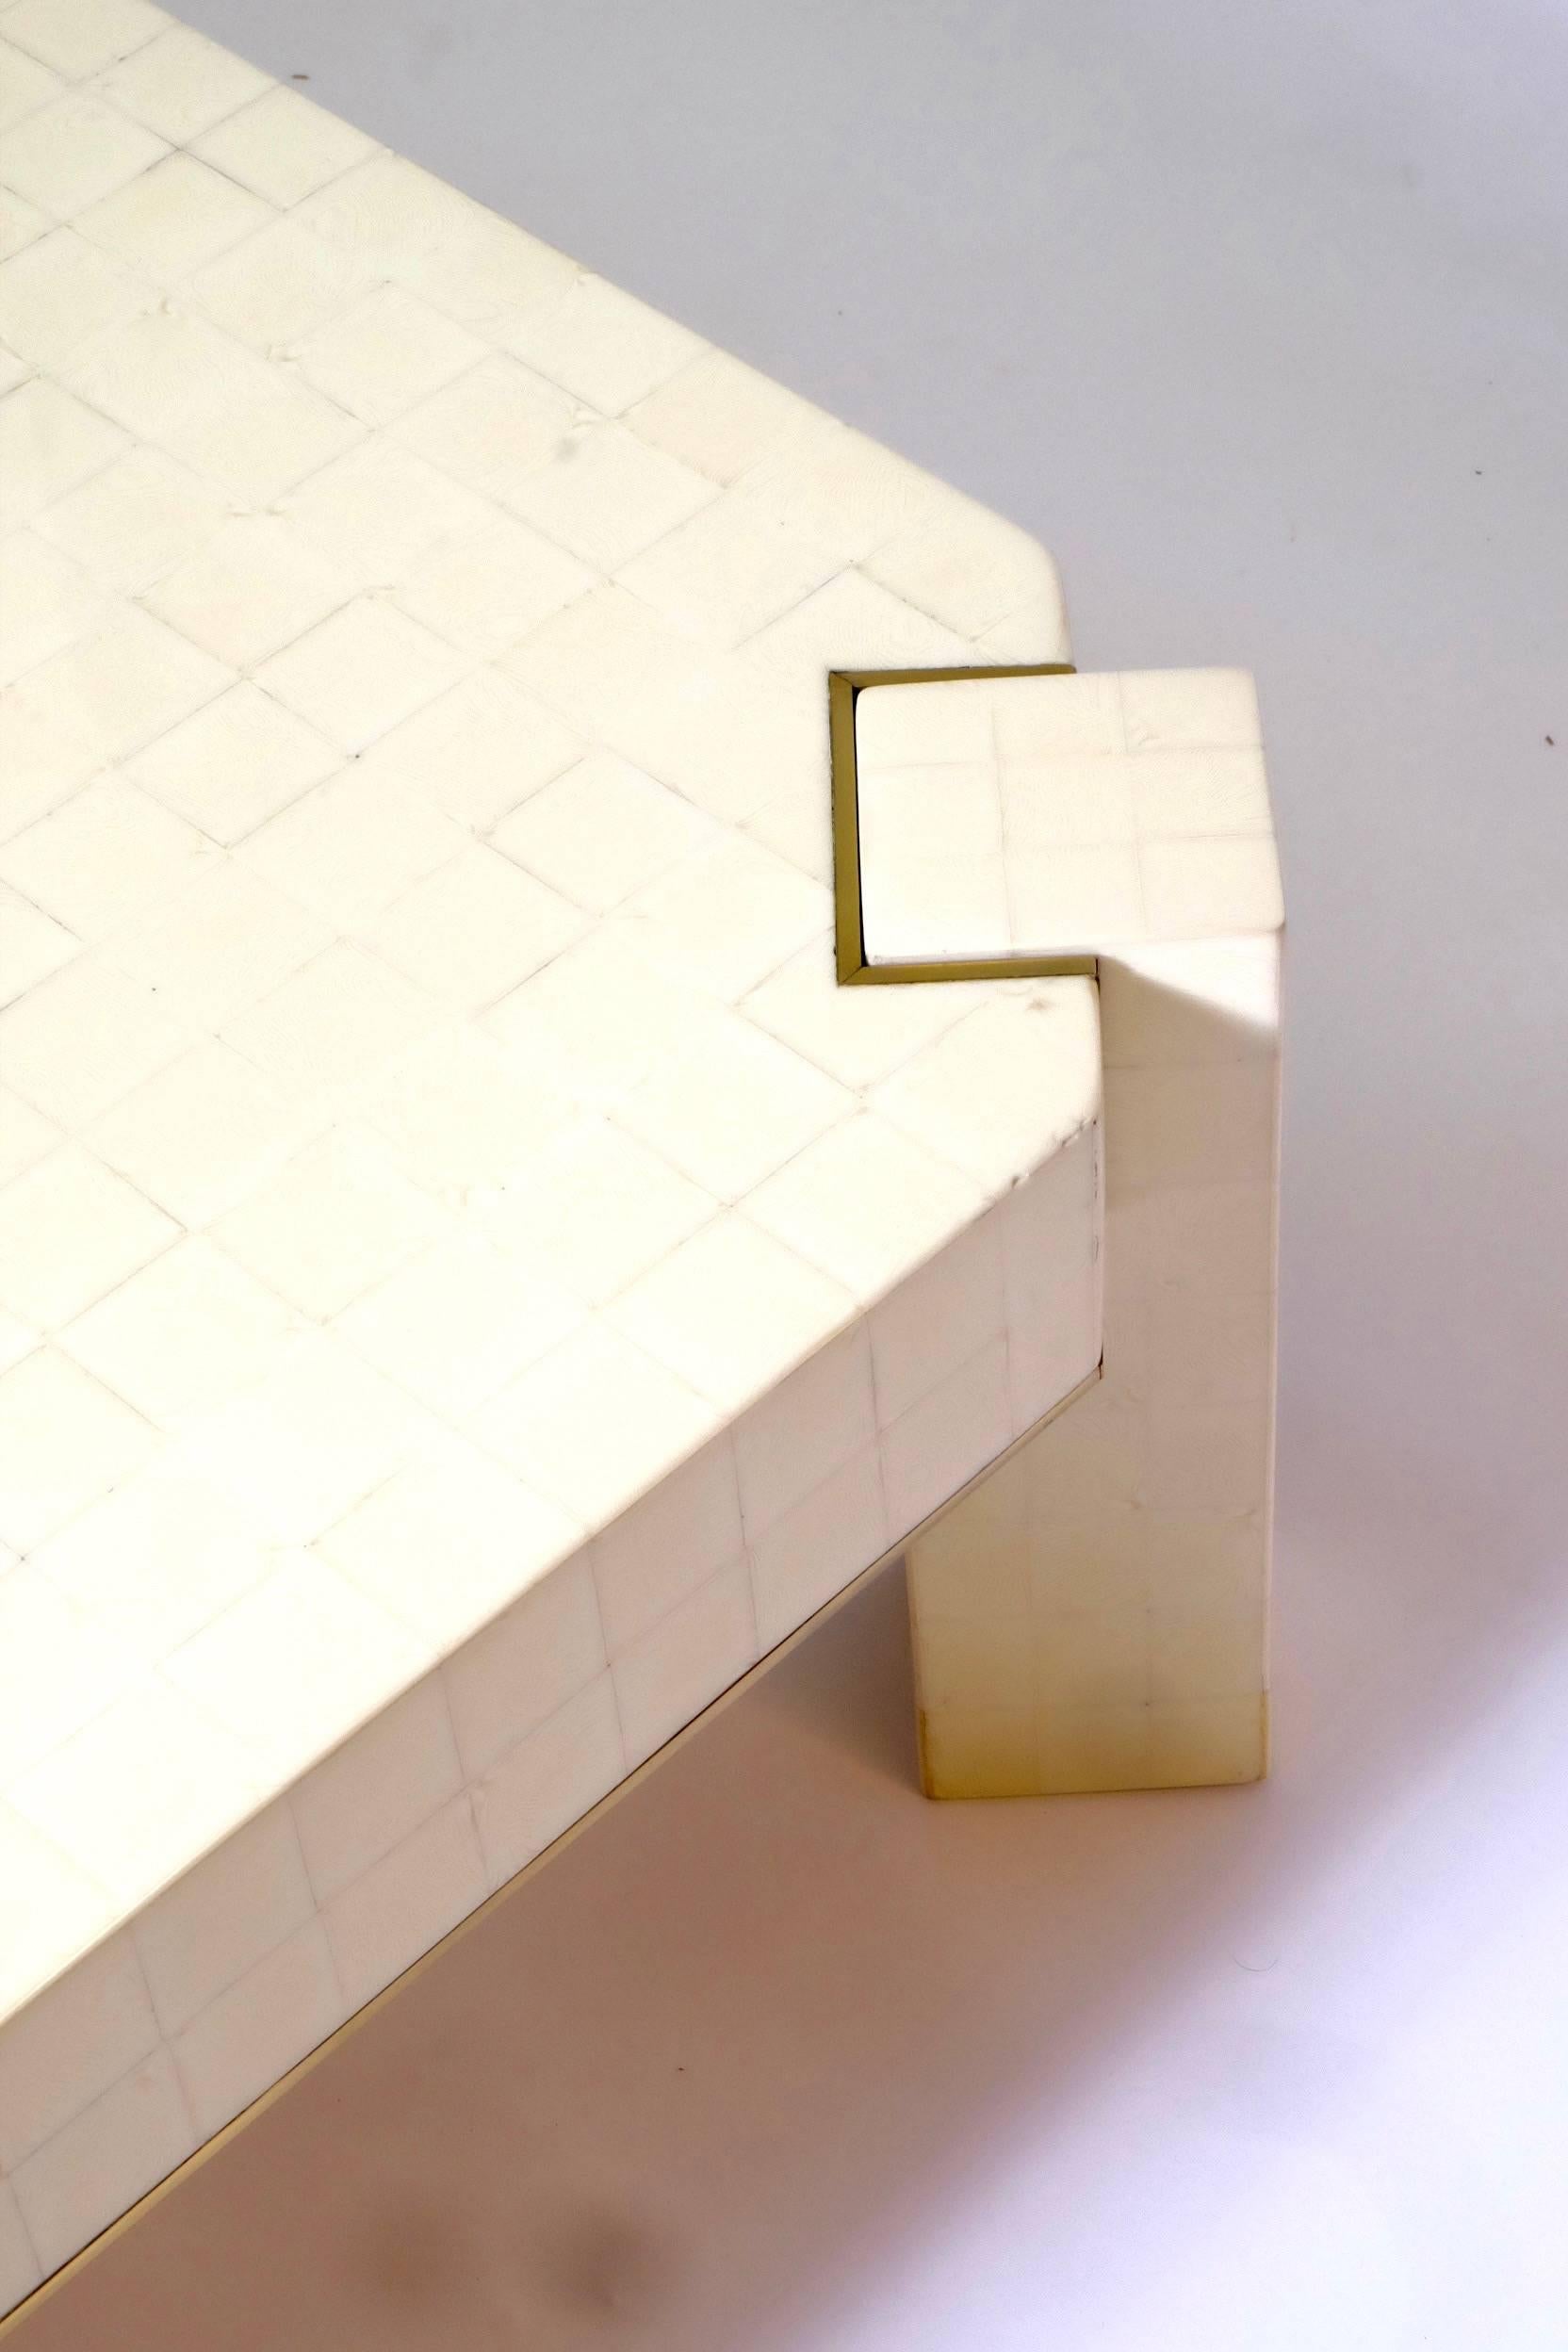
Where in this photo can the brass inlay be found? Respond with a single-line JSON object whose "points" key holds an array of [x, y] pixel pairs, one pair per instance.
{"points": [[854, 971]]}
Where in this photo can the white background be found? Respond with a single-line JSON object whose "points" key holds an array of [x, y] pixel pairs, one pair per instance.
{"points": [[1258, 317]]}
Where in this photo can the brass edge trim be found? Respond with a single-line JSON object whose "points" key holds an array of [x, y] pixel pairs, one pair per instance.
{"points": [[849, 935], [58, 2278]]}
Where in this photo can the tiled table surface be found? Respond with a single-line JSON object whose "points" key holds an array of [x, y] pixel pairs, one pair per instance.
{"points": [[1022, 817], [430, 1123]]}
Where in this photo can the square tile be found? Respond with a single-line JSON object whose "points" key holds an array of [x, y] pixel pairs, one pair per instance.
{"points": [[59, 290], [20, 2268], [171, 378], [350, 847], [473, 930], [200, 1134], [216, 941], [731, 1310], [453, 1326], [598, 1019], [81, 37], [484, 272], [602, 830], [131, 679], [252, 587], [732, 1107], [133, 521], [867, 1204], [107, 852], [817, 1547], [307, 1443], [460, 1120], [962, 564], [92, 2026], [942, 1316], [730, 570], [75, 151], [69, 1232], [50, 1911], [407, 1902], [448, 1542], [171, 220], [936, 1447], [234, 764], [21, 225], [83, 1038], [179, 84], [666, 1545], [606, 495], [329, 1031], [730, 916], [603, 346], [702, 721], [296, 1663], [526, 1665], [212, 1925], [795, 1438], [385, 212], [147, 1783], [374, 510], [681, 1666], [154, 1561], [481, 590], [549, 1780], [17, 1339], [58, 1669], [491, 427], [594, 1206], [475, 753], [1203, 887], [722, 418], [330, 1223], [32, 945], [281, 145], [25, 1135], [1079, 800], [1186, 710], [836, 483], [180, 1337], [25, 84], [106, 2158], [593, 1424], [855, 1035], [388, 351], [280, 286], [250, 2036], [961, 1096], [47, 598], [48, 443], [371, 1793], [359, 672]]}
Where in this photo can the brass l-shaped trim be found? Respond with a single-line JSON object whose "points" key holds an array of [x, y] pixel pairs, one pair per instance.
{"points": [[854, 971]]}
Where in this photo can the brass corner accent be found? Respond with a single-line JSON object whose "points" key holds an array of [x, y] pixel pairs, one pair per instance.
{"points": [[849, 932]]}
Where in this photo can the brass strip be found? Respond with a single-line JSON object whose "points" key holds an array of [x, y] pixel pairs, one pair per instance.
{"points": [[849, 930]]}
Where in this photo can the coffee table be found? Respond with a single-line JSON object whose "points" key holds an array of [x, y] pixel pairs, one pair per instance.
{"points": [[598, 1038]]}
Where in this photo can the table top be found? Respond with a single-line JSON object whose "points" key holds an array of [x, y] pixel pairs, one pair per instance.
{"points": [[429, 1114], [1023, 817]]}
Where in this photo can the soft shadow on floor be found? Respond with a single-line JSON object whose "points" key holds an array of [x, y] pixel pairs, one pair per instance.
{"points": [[739, 2048]]}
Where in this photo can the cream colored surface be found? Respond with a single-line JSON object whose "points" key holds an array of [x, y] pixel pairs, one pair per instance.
{"points": [[469, 1281], [1094, 1615], [1018, 816]]}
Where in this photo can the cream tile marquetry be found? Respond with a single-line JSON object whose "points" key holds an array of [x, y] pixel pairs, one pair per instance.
{"points": [[470, 1281]]}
